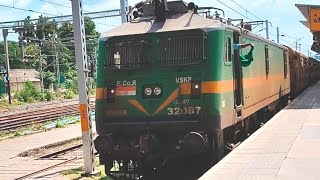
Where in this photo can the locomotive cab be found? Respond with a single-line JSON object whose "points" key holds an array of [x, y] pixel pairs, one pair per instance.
{"points": [[177, 86]]}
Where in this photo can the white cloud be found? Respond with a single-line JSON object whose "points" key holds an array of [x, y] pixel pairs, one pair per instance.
{"points": [[53, 10], [21, 3], [6, 2], [15, 3]]}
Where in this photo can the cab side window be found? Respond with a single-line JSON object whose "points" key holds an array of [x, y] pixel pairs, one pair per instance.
{"points": [[228, 53], [285, 61], [266, 57]]}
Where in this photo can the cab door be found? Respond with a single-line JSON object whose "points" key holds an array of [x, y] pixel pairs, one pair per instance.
{"points": [[238, 83]]}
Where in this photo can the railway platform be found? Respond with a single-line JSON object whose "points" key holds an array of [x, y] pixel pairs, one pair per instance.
{"points": [[286, 147]]}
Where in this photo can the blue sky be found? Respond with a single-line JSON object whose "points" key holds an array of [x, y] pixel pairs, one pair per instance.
{"points": [[281, 13]]}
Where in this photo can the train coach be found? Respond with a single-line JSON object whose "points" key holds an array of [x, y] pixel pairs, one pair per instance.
{"points": [[303, 71], [314, 70], [173, 83]]}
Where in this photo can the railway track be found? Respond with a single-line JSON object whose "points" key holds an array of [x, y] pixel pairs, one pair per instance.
{"points": [[59, 154], [11, 122]]}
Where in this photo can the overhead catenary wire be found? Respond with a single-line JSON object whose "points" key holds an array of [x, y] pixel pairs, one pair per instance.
{"points": [[57, 4], [234, 10], [247, 11], [239, 12], [28, 10]]}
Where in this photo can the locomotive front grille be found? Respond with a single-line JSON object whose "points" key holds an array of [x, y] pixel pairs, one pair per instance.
{"points": [[170, 48], [179, 48]]}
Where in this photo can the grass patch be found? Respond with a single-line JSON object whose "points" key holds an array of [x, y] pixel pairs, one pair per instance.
{"points": [[75, 174], [35, 128], [60, 125], [21, 131], [5, 106]]}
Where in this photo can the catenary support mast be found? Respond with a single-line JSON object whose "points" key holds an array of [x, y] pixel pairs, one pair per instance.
{"points": [[124, 8], [83, 84], [5, 35]]}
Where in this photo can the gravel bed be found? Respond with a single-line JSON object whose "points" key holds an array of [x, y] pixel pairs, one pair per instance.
{"points": [[38, 152]]}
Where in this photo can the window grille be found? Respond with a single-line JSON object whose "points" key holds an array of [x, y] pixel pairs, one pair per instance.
{"points": [[181, 48], [127, 54]]}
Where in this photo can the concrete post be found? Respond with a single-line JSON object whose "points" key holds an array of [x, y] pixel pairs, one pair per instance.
{"points": [[267, 29], [5, 35], [83, 84], [124, 8]]}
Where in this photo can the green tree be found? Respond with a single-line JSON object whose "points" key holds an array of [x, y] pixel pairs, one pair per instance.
{"points": [[48, 79], [45, 28], [29, 28], [14, 55]]}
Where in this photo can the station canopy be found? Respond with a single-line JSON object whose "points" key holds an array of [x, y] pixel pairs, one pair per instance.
{"points": [[312, 15]]}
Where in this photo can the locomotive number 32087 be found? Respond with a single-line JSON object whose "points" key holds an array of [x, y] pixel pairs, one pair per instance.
{"points": [[183, 110]]}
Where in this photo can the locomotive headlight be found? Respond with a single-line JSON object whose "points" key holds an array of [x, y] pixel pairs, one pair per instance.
{"points": [[111, 94], [195, 90], [148, 91], [157, 91]]}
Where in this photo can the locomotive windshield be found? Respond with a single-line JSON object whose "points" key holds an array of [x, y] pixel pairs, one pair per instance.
{"points": [[171, 48], [127, 53]]}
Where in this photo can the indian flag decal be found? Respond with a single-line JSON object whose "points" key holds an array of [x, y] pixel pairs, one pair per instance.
{"points": [[126, 90]]}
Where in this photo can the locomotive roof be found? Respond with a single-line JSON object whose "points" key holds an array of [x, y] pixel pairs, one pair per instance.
{"points": [[183, 21], [180, 21]]}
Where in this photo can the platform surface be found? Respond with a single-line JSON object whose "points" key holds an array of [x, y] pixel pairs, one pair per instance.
{"points": [[12, 166], [286, 147]]}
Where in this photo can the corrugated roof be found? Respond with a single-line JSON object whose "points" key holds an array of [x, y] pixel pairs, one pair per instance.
{"points": [[305, 23], [306, 9], [22, 75]]}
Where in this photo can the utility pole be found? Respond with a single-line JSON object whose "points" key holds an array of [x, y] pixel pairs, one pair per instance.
{"points": [[55, 57], [278, 35], [5, 34], [267, 29], [124, 8], [299, 47], [41, 72], [20, 30], [83, 86]]}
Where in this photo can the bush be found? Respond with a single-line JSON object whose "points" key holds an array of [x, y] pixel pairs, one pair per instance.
{"points": [[49, 96], [71, 85], [92, 91], [29, 100], [70, 95], [18, 96], [29, 93]]}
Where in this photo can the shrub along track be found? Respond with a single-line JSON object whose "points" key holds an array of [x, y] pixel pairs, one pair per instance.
{"points": [[14, 121]]}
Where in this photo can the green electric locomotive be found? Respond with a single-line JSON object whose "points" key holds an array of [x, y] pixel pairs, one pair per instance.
{"points": [[175, 82]]}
